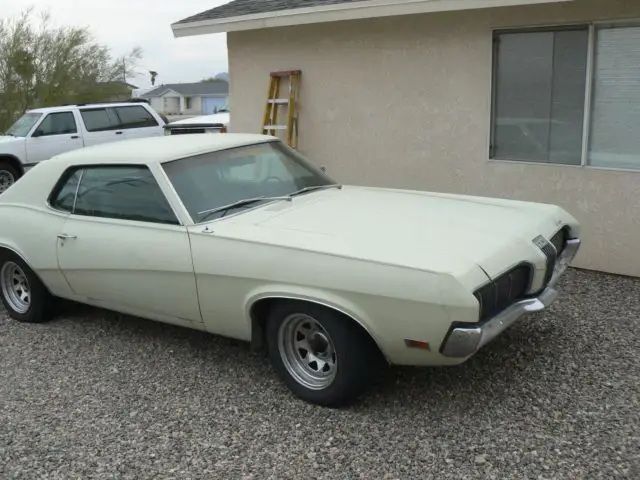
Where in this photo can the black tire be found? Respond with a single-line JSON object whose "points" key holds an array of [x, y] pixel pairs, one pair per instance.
{"points": [[359, 360], [41, 303], [7, 170]]}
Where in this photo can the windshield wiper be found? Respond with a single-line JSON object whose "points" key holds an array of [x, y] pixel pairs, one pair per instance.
{"points": [[239, 203], [315, 187]]}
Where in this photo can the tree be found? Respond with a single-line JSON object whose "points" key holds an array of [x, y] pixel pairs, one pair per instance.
{"points": [[45, 66], [213, 80]]}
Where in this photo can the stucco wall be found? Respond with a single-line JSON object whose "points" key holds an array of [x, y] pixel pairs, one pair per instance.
{"points": [[405, 102]]}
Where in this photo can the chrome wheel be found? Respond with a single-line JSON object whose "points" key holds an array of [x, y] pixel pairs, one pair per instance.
{"points": [[15, 287], [307, 351], [6, 180]]}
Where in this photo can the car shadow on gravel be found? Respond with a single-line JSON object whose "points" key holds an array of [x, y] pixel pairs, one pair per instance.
{"points": [[490, 374]]}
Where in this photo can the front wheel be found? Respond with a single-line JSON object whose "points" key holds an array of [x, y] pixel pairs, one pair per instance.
{"points": [[322, 356], [8, 176]]}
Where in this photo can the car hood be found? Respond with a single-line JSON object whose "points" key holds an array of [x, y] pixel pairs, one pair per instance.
{"points": [[213, 118], [430, 231], [10, 139]]}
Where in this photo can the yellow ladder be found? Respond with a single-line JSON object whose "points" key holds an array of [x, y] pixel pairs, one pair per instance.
{"points": [[270, 121]]}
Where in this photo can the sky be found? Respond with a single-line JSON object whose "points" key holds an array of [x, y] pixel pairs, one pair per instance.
{"points": [[124, 24]]}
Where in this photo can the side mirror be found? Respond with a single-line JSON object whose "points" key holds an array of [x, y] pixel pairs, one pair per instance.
{"points": [[37, 133]]}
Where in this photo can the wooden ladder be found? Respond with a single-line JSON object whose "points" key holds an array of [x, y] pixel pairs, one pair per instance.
{"points": [[270, 121]]}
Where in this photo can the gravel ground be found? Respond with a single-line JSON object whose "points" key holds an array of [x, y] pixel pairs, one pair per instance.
{"points": [[98, 395]]}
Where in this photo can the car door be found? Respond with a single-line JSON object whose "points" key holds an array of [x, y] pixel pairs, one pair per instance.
{"points": [[136, 121], [101, 125], [56, 133], [123, 246]]}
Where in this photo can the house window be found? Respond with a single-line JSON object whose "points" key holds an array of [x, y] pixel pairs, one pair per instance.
{"points": [[542, 81], [187, 102], [539, 95], [614, 140]]}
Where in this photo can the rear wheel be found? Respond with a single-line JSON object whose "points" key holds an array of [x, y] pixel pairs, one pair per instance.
{"points": [[8, 175], [23, 295], [322, 356]]}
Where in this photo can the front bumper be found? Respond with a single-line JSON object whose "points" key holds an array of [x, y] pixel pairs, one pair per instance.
{"points": [[465, 340]]}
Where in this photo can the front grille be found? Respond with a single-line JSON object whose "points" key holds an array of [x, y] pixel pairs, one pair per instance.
{"points": [[182, 131], [559, 240], [505, 290]]}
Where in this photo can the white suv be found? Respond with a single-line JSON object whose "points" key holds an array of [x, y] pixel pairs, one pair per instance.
{"points": [[45, 132]]}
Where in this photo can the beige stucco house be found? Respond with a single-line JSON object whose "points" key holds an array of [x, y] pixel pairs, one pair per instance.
{"points": [[526, 99]]}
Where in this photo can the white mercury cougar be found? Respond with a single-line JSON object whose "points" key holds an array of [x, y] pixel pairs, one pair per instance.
{"points": [[240, 236]]}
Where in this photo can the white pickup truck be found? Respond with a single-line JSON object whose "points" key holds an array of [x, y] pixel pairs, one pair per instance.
{"points": [[45, 132]]}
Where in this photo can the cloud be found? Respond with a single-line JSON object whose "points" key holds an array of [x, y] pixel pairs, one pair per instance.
{"points": [[125, 24]]}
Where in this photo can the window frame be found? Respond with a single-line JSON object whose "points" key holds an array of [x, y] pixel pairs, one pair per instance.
{"points": [[70, 171], [592, 27]]}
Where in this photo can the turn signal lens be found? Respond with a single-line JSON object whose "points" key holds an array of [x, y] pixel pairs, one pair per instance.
{"points": [[417, 344]]}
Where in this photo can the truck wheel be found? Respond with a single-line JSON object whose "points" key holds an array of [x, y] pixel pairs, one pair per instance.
{"points": [[323, 357], [8, 176]]}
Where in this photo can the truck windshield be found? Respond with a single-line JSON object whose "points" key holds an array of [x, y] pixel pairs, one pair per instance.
{"points": [[23, 125]]}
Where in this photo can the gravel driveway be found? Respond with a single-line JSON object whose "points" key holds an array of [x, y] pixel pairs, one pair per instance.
{"points": [[98, 395]]}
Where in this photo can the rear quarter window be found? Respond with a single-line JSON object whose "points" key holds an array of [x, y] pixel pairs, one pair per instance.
{"points": [[135, 117]]}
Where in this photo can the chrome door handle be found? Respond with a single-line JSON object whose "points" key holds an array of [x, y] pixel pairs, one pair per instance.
{"points": [[64, 236]]}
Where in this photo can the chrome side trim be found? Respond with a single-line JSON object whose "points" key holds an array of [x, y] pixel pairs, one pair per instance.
{"points": [[465, 340]]}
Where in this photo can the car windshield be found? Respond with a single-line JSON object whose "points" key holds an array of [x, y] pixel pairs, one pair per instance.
{"points": [[212, 180], [23, 125]]}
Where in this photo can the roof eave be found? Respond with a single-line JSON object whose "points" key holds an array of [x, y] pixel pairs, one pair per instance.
{"points": [[339, 12]]}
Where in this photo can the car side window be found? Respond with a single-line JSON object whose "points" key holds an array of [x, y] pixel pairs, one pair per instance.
{"points": [[135, 117], [123, 192], [65, 192], [59, 123], [99, 119]]}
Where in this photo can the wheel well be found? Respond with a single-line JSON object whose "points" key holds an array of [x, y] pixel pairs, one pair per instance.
{"points": [[11, 251], [14, 162], [259, 314]]}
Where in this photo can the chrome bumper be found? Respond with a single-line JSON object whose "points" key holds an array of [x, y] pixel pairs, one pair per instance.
{"points": [[465, 340]]}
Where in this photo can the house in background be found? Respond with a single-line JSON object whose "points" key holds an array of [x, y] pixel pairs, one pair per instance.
{"points": [[201, 98], [524, 99]]}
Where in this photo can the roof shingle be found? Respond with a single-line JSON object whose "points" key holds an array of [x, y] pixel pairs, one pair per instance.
{"points": [[239, 8]]}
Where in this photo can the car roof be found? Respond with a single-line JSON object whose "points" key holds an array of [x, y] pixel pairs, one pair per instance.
{"points": [[66, 108], [159, 149]]}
